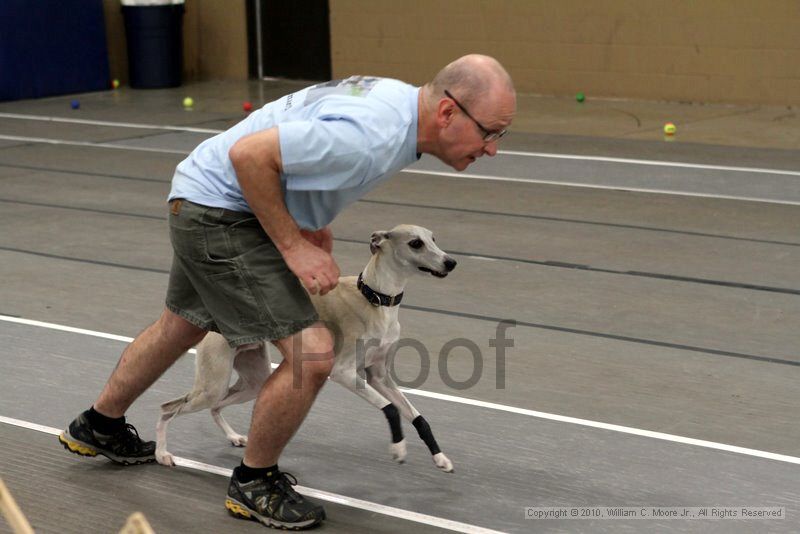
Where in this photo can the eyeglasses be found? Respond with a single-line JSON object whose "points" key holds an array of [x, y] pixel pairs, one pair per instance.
{"points": [[488, 135]]}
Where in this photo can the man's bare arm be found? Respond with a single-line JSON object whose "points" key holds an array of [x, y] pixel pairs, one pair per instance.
{"points": [[257, 161]]}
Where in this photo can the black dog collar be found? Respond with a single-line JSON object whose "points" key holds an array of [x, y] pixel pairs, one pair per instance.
{"points": [[375, 298]]}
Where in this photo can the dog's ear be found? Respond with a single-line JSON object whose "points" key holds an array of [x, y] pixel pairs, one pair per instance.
{"points": [[376, 239]]}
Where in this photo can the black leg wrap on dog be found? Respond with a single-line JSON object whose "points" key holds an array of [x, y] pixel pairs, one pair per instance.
{"points": [[424, 430], [393, 416]]}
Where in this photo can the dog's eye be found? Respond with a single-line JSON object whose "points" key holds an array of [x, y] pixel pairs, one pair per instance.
{"points": [[417, 243]]}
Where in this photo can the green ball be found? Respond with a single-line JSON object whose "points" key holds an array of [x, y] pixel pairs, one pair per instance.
{"points": [[188, 102], [580, 97]]}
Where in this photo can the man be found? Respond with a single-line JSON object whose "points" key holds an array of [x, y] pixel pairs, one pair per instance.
{"points": [[249, 210]]}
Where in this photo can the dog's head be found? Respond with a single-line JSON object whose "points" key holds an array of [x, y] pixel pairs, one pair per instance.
{"points": [[413, 248]]}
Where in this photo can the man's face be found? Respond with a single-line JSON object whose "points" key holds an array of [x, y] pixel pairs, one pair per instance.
{"points": [[463, 139]]}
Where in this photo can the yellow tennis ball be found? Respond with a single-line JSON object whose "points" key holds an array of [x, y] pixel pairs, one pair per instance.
{"points": [[188, 102], [669, 129]]}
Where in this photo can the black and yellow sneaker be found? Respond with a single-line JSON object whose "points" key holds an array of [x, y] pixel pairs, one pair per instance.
{"points": [[273, 502], [122, 446]]}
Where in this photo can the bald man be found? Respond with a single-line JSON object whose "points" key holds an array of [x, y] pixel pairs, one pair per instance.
{"points": [[249, 212]]}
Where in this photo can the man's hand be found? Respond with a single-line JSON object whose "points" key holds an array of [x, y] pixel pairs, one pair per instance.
{"points": [[313, 265], [323, 238]]}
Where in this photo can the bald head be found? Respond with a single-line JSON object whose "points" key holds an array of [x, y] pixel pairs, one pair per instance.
{"points": [[471, 77], [462, 125]]}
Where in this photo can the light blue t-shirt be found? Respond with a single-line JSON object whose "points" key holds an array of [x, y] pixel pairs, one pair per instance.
{"points": [[338, 141]]}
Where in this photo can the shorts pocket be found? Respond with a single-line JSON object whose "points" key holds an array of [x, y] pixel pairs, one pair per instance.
{"points": [[246, 236], [234, 300], [217, 244], [189, 244]]}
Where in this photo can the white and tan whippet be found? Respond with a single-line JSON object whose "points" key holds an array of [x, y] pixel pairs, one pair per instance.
{"points": [[362, 313]]}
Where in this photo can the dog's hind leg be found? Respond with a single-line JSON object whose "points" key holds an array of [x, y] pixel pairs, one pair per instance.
{"points": [[169, 410], [252, 364], [194, 401], [236, 395], [384, 384], [214, 364]]}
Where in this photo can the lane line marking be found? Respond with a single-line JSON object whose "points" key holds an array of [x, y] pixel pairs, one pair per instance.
{"points": [[462, 175], [597, 186], [30, 426], [497, 319], [109, 123], [491, 405], [89, 144], [344, 500], [614, 428], [631, 161], [657, 163], [434, 173]]}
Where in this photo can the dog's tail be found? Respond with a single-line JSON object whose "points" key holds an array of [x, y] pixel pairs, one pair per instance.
{"points": [[174, 405]]}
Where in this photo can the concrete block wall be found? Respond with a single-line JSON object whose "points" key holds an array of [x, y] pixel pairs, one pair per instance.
{"points": [[735, 51], [215, 40]]}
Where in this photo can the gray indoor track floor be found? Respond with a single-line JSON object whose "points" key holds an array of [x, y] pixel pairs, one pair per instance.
{"points": [[654, 289]]}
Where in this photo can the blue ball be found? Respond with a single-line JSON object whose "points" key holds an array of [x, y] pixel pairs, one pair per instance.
{"points": [[75, 104]]}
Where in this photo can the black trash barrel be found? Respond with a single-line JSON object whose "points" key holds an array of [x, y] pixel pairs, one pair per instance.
{"points": [[155, 45]]}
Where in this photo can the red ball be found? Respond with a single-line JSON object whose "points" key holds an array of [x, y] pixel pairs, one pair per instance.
{"points": [[247, 106]]}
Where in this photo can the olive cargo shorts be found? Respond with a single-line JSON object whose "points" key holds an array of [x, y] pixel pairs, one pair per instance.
{"points": [[228, 276]]}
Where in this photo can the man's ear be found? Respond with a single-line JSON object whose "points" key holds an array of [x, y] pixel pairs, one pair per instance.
{"points": [[375, 241], [445, 112]]}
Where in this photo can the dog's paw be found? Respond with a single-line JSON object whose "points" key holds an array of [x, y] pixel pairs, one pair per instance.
{"points": [[238, 440], [165, 458], [398, 451], [443, 462]]}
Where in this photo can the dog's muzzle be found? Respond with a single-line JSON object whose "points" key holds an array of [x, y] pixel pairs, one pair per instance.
{"points": [[449, 265]]}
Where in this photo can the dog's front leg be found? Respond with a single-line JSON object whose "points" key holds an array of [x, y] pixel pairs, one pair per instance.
{"points": [[348, 378], [384, 384], [397, 448]]}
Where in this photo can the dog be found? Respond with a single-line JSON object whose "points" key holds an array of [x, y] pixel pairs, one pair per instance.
{"points": [[362, 313]]}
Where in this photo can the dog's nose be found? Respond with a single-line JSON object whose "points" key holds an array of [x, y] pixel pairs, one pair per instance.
{"points": [[449, 264]]}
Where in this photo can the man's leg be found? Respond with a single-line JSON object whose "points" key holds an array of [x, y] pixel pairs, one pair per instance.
{"points": [[288, 394], [145, 360], [102, 428], [258, 490]]}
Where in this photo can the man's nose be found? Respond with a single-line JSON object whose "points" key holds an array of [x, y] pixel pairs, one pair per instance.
{"points": [[490, 148]]}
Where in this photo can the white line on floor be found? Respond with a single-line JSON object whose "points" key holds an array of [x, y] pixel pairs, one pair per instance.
{"points": [[460, 175], [492, 406], [88, 144], [596, 186], [109, 123], [658, 163], [310, 492]]}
